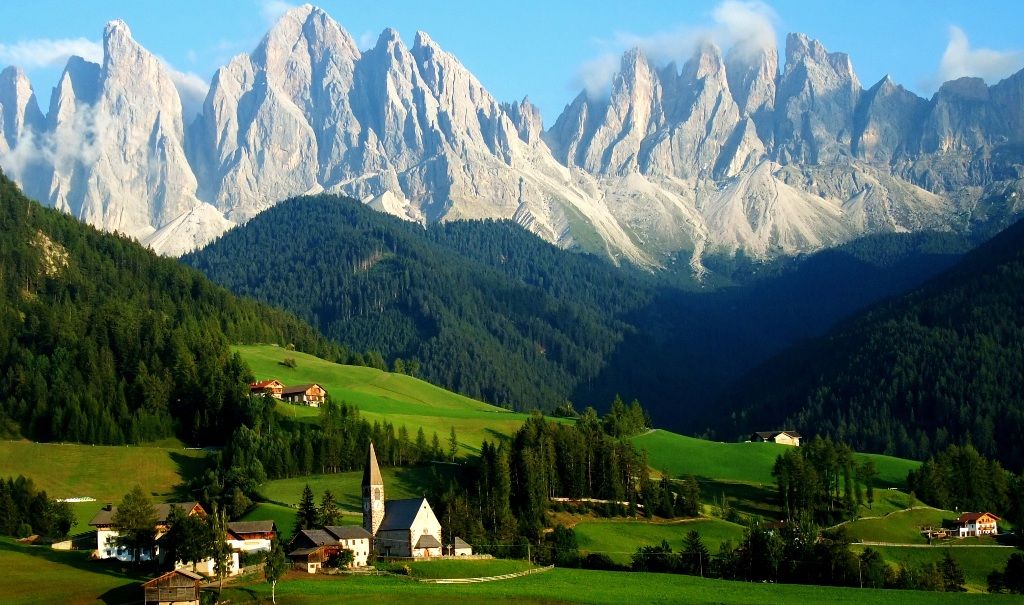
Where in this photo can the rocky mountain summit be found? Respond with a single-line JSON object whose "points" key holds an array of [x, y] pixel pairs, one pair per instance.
{"points": [[721, 155]]}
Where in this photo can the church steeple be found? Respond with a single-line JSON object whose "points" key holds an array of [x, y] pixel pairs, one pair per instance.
{"points": [[373, 494]]}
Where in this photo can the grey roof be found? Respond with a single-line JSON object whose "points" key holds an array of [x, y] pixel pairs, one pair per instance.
{"points": [[251, 527], [163, 510], [399, 514], [348, 532], [460, 543], [427, 541], [299, 552], [371, 472], [317, 537]]}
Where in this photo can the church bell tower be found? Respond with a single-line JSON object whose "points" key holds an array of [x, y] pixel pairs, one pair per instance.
{"points": [[373, 494]]}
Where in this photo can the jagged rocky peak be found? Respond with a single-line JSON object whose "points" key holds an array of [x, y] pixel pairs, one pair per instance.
{"points": [[752, 74], [19, 109], [527, 119], [888, 122], [815, 103]]}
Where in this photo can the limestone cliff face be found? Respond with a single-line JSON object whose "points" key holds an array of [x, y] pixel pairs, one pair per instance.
{"points": [[726, 153]]}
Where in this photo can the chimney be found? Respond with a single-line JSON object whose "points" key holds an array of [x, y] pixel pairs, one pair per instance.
{"points": [[109, 506]]}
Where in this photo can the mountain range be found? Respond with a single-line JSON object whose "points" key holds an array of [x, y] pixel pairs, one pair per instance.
{"points": [[728, 154]]}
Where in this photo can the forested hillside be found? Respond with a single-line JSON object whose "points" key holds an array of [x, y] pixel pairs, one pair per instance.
{"points": [[102, 341], [489, 310], [939, 366]]}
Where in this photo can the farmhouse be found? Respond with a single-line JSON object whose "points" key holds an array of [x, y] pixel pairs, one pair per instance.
{"points": [[178, 587], [250, 536], [106, 532], [315, 547], [783, 437], [400, 528], [978, 524], [306, 394], [272, 387]]}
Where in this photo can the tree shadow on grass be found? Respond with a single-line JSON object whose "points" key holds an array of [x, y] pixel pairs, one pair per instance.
{"points": [[129, 592], [747, 498], [189, 468]]}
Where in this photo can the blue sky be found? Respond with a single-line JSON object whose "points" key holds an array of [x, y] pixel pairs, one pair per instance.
{"points": [[548, 49]]}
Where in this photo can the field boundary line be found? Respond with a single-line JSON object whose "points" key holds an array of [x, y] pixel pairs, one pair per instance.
{"points": [[507, 576]]}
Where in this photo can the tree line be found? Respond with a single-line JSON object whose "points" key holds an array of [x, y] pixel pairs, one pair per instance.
{"points": [[960, 478], [26, 511], [102, 341]]}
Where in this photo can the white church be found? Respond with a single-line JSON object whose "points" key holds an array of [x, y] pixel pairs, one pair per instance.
{"points": [[400, 528]]}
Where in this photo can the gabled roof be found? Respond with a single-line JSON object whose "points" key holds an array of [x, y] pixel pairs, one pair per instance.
{"points": [[163, 510], [968, 517], [400, 514], [262, 384], [427, 541], [299, 388], [315, 537], [177, 572], [348, 532], [371, 472], [774, 434], [251, 527], [460, 543]]}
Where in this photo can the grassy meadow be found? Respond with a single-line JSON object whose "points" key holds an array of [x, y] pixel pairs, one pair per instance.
{"points": [[582, 586], [396, 398], [37, 574], [976, 561], [619, 538]]}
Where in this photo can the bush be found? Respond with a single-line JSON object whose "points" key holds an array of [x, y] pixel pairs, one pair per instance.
{"points": [[288, 362]]}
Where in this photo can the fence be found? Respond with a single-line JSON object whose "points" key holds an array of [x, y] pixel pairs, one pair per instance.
{"points": [[507, 576]]}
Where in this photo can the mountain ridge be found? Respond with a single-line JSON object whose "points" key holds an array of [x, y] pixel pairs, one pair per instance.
{"points": [[725, 154]]}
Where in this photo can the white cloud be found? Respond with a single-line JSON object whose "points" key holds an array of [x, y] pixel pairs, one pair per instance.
{"points": [[744, 25], [43, 52], [191, 88], [961, 60], [272, 10]]}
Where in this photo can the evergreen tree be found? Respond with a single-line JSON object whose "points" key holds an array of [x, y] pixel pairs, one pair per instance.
{"points": [[952, 574], [306, 516], [694, 558], [135, 521], [453, 444], [329, 513]]}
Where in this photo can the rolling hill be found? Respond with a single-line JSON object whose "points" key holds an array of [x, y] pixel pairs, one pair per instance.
{"points": [[490, 311], [910, 376], [102, 341]]}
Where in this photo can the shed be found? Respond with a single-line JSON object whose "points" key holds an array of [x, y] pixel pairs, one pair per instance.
{"points": [[459, 548], [178, 587]]}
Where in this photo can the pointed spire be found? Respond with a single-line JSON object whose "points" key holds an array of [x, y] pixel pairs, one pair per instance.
{"points": [[371, 474]]}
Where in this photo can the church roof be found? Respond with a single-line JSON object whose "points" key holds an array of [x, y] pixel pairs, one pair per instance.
{"points": [[460, 543], [427, 541], [400, 514], [371, 473]]}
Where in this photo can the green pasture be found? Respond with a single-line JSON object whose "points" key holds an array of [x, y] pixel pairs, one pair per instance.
{"points": [[583, 586], [976, 561], [619, 539], [396, 398]]}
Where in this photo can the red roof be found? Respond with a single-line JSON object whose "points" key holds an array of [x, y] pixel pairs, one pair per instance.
{"points": [[262, 384], [969, 517]]}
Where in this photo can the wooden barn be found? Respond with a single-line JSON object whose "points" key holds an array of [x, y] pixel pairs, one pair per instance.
{"points": [[272, 387], [178, 587]]}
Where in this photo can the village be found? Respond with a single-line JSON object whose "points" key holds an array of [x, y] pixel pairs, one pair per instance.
{"points": [[391, 530]]}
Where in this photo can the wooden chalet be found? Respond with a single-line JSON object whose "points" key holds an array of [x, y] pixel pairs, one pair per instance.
{"points": [[783, 437], [305, 394], [272, 387], [178, 587]]}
